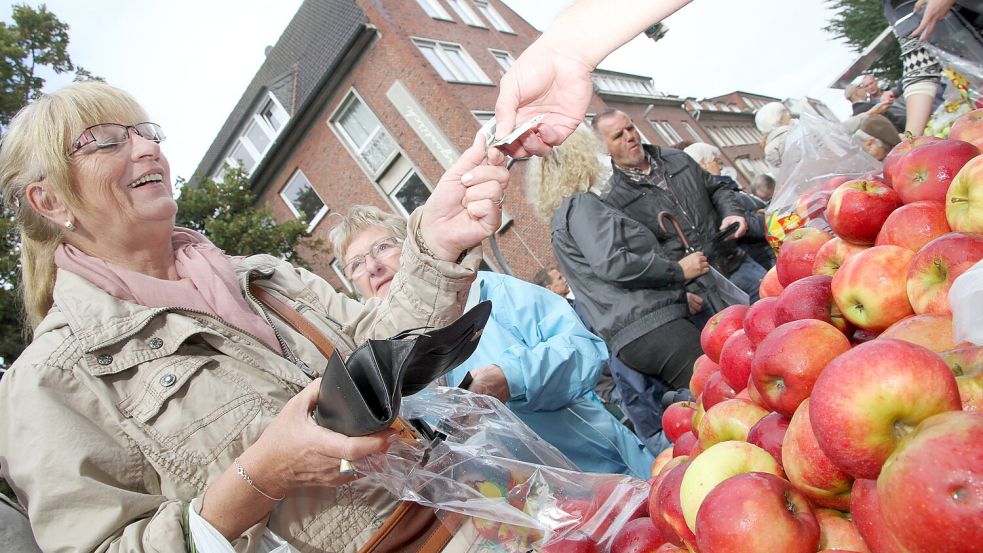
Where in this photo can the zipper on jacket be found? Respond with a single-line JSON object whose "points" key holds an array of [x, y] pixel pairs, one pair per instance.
{"points": [[287, 353]]}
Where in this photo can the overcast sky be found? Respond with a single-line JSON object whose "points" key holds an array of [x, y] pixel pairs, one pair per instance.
{"points": [[188, 62]]}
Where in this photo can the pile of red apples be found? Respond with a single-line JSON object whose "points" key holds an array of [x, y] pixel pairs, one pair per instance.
{"points": [[839, 413]]}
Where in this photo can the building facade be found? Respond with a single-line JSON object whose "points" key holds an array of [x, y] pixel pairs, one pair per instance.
{"points": [[370, 101]]}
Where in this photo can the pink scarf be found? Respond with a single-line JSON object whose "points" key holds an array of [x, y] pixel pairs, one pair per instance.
{"points": [[207, 282]]}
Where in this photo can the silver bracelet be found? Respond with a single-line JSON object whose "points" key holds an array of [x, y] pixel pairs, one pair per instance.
{"points": [[242, 474]]}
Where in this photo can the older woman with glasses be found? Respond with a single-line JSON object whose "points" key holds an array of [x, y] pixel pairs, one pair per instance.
{"points": [[535, 355], [155, 382]]}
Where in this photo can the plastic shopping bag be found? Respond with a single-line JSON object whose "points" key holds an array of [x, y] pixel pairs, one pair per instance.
{"points": [[209, 540], [966, 299]]}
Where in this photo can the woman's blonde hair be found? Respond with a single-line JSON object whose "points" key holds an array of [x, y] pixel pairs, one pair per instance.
{"points": [[570, 168], [360, 218], [35, 149]]}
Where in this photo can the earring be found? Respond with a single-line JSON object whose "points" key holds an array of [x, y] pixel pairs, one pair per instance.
{"points": [[69, 225]]}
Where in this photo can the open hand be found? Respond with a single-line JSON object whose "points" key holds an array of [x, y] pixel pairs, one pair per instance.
{"points": [[490, 380]]}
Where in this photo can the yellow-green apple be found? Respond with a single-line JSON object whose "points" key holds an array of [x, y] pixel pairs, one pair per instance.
{"points": [[869, 398], [673, 463], [865, 508], [926, 172], [770, 286], [684, 444], [637, 536], [798, 254], [967, 365], [932, 331], [698, 413], [666, 510], [760, 319], [702, 369], [832, 254], [729, 420], [809, 469], [968, 128], [756, 512], [858, 209], [677, 418], [716, 464], [787, 363], [735, 360], [931, 488], [661, 460], [870, 287], [964, 201], [914, 225], [572, 542], [838, 533], [893, 160], [719, 328], [716, 390], [935, 267], [769, 433], [811, 298], [812, 204], [971, 391]]}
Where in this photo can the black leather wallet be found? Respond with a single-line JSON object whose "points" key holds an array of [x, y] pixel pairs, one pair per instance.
{"points": [[362, 395]]}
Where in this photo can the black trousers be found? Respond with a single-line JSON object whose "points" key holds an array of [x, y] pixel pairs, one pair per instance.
{"points": [[667, 353]]}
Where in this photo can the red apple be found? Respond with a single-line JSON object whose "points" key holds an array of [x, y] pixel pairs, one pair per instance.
{"points": [[770, 286], [719, 328], [676, 419], [574, 542], [967, 366], [760, 319], [666, 510], [661, 460], [914, 225], [865, 508], [769, 433], [735, 360], [812, 204], [729, 420], [716, 390], [809, 469], [893, 160], [964, 201], [929, 331], [968, 128], [753, 394], [670, 548], [798, 254], [834, 182], [937, 265], [833, 254], [811, 298], [756, 512], [931, 488], [789, 360], [870, 397], [870, 287], [716, 464], [838, 533], [638, 536], [698, 412], [684, 444], [858, 209], [971, 391], [702, 369], [926, 172]]}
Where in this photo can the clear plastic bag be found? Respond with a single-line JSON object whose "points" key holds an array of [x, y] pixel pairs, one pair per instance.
{"points": [[209, 540], [966, 300], [960, 53], [520, 491], [816, 151]]}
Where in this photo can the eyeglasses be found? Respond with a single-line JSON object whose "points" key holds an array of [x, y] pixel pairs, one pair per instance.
{"points": [[106, 135], [383, 249]]}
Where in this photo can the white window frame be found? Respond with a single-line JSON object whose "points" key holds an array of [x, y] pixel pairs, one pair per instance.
{"points": [[339, 270], [467, 15], [402, 182], [440, 49], [483, 116], [353, 148], [493, 17], [316, 218], [692, 132], [436, 10], [500, 56], [264, 125]]}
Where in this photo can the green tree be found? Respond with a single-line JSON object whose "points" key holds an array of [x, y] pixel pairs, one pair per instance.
{"points": [[226, 213], [858, 23]]}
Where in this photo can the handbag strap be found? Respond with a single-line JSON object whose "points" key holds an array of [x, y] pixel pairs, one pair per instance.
{"points": [[294, 319]]}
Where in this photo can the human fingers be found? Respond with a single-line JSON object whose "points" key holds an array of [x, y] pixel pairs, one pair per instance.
{"points": [[471, 158], [741, 229], [919, 5], [491, 190], [484, 174]]}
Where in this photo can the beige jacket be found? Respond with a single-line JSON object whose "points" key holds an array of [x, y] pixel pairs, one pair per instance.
{"points": [[118, 414]]}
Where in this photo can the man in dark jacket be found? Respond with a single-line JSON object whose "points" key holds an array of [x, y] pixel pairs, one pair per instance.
{"points": [[647, 180]]}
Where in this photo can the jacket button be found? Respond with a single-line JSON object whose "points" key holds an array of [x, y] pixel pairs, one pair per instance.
{"points": [[104, 359], [168, 380], [156, 343]]}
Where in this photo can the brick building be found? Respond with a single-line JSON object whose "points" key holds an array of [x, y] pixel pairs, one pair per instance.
{"points": [[369, 101]]}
